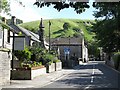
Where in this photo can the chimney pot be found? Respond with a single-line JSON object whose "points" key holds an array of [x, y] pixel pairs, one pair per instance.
{"points": [[4, 20], [13, 20]]}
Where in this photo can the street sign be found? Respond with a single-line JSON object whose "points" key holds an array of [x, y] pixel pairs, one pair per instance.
{"points": [[67, 50]]}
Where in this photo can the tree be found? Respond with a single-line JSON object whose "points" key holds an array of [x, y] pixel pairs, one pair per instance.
{"points": [[4, 6], [66, 26], [79, 7], [108, 29]]}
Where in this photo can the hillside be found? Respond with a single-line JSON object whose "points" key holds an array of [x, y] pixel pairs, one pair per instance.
{"points": [[75, 27]]}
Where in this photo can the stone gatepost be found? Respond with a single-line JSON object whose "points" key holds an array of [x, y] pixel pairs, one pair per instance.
{"points": [[4, 67]]}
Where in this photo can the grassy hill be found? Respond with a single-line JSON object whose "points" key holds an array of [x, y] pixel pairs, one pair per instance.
{"points": [[76, 26]]}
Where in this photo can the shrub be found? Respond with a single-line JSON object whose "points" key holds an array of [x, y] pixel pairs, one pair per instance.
{"points": [[76, 29], [57, 60], [31, 64], [23, 54], [37, 53], [66, 26], [49, 63], [48, 57], [76, 34], [116, 59]]}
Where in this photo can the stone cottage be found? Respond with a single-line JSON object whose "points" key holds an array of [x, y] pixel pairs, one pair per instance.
{"points": [[70, 47]]}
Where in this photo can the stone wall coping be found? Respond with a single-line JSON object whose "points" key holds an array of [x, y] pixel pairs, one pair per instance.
{"points": [[4, 49]]}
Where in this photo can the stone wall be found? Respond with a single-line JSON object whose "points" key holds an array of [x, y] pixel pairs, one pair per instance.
{"points": [[111, 64], [27, 74], [4, 68], [58, 66], [38, 72], [50, 68]]}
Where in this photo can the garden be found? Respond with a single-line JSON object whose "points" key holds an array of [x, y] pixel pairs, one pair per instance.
{"points": [[35, 61]]}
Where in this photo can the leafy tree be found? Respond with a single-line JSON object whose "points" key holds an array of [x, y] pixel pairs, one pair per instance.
{"points": [[107, 30], [66, 26], [116, 59], [4, 6], [79, 7], [93, 48]]}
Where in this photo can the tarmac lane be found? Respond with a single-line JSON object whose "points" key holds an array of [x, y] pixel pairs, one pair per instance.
{"points": [[92, 75]]}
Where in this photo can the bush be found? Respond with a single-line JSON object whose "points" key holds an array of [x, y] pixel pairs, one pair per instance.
{"points": [[76, 34], [57, 60], [48, 58], [30, 64], [76, 29], [23, 54], [37, 53], [116, 59], [66, 26]]}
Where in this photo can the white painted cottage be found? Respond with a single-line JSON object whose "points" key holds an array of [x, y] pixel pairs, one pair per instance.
{"points": [[5, 52]]}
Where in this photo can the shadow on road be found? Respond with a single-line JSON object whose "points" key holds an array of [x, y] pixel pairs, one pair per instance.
{"points": [[103, 77]]}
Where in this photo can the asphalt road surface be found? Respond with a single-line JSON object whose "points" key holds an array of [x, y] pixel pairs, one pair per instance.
{"points": [[93, 75]]}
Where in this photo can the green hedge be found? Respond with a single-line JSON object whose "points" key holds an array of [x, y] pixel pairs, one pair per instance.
{"points": [[116, 59]]}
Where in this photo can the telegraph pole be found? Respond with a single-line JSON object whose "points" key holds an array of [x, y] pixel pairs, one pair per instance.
{"points": [[41, 34], [49, 36]]}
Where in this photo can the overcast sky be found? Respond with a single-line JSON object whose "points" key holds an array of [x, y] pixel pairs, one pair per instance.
{"points": [[31, 12]]}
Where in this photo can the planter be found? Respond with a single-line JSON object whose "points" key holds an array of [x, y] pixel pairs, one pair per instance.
{"points": [[58, 66], [50, 68], [27, 73]]}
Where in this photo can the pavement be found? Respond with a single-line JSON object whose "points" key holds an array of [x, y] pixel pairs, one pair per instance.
{"points": [[39, 81]]}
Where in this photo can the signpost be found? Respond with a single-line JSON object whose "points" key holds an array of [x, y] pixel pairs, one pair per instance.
{"points": [[67, 50], [67, 55], [19, 43]]}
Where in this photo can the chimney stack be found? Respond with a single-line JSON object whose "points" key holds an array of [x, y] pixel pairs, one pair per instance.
{"points": [[4, 20], [13, 20]]}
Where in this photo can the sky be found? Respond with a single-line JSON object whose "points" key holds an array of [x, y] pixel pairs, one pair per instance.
{"points": [[31, 12]]}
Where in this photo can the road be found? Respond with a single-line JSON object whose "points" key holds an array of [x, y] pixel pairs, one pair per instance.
{"points": [[90, 75]]}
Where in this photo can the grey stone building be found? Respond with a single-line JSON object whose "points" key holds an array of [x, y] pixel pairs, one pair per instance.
{"points": [[70, 48]]}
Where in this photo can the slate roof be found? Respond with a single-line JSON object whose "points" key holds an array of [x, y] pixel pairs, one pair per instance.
{"points": [[6, 26], [65, 41], [18, 29]]}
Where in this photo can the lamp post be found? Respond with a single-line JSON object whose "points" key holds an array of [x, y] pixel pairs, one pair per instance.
{"points": [[49, 36], [41, 34], [69, 41]]}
